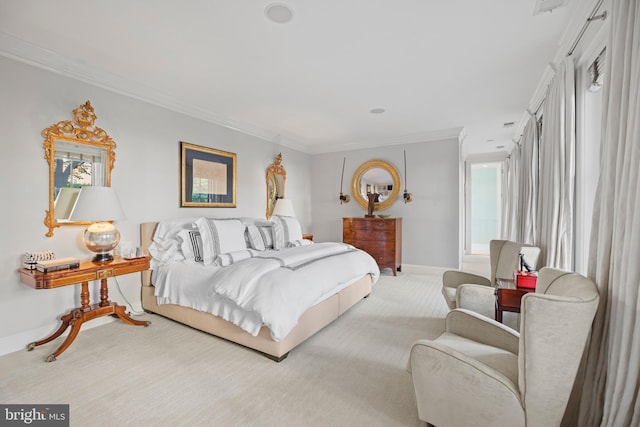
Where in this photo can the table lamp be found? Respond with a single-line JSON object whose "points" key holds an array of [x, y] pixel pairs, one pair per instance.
{"points": [[99, 205], [284, 207]]}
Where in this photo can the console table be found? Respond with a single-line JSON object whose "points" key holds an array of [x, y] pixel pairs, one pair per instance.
{"points": [[87, 271], [379, 237]]}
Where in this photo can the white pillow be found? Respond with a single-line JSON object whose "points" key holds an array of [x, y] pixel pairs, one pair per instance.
{"points": [[302, 242], [286, 229], [266, 231], [220, 236], [191, 245], [229, 258], [165, 245], [254, 238]]}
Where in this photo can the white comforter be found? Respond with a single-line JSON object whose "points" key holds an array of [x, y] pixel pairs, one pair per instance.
{"points": [[274, 288]]}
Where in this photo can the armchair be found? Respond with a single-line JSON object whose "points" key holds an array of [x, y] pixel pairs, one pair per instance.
{"points": [[482, 373], [475, 292]]}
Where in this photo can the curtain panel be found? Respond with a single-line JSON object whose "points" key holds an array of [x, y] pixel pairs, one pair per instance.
{"points": [[528, 184], [556, 193], [610, 394]]}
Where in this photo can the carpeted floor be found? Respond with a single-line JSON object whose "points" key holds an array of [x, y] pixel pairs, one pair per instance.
{"points": [[352, 373]]}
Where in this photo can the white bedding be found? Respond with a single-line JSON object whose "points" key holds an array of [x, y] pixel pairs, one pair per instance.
{"points": [[274, 288]]}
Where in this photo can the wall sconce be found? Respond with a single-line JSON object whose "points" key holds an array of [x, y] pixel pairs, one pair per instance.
{"points": [[343, 197], [406, 197], [99, 205]]}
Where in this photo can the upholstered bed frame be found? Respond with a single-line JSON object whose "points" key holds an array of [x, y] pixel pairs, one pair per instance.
{"points": [[313, 320]]}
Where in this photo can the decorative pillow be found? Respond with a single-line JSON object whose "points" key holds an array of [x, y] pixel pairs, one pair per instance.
{"points": [[302, 242], [229, 258], [254, 238], [165, 246], [285, 229], [266, 231], [191, 244], [220, 236]]}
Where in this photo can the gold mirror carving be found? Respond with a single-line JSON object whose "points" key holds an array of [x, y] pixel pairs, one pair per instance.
{"points": [[276, 177], [375, 177], [78, 154]]}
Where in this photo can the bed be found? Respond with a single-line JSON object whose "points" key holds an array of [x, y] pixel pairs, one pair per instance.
{"points": [[269, 292]]}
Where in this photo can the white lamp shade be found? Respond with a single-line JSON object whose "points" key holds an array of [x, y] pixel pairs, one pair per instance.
{"points": [[97, 204], [283, 207]]}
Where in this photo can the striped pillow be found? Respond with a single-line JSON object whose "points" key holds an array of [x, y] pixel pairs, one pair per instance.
{"points": [[285, 229], [220, 236], [254, 238], [191, 244]]}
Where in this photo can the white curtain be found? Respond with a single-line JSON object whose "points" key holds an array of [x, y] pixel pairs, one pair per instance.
{"points": [[557, 171], [510, 195], [528, 183], [521, 187], [611, 391]]}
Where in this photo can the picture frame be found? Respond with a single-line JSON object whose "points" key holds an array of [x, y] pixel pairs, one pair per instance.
{"points": [[207, 177]]}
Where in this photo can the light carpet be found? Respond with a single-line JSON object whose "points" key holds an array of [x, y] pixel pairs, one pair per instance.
{"points": [[352, 373]]}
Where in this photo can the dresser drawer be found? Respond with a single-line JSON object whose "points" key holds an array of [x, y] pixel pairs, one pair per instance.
{"points": [[368, 235], [370, 225]]}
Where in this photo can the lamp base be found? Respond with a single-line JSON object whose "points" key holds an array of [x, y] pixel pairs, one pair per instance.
{"points": [[106, 257]]}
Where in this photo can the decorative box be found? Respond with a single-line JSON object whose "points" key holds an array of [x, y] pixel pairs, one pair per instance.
{"points": [[525, 279]]}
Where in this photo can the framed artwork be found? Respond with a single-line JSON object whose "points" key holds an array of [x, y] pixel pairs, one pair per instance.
{"points": [[207, 177]]}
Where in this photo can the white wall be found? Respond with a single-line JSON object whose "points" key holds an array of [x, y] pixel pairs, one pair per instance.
{"points": [[146, 177], [430, 222]]}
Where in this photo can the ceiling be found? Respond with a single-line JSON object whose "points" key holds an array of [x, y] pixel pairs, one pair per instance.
{"points": [[439, 69]]}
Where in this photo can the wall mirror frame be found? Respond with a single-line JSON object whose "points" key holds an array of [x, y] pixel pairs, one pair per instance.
{"points": [[375, 176], [276, 178], [78, 154]]}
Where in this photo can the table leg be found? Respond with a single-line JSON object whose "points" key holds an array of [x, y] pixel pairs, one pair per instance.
{"points": [[66, 321], [120, 312], [104, 293], [76, 322]]}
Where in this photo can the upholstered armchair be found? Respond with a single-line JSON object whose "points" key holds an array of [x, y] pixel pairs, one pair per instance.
{"points": [[475, 292], [482, 373]]}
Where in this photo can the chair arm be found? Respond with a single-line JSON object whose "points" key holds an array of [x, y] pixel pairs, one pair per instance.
{"points": [[446, 381], [479, 328], [454, 278], [478, 298]]}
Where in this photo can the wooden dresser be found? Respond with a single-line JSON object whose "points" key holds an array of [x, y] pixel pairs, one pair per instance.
{"points": [[380, 237]]}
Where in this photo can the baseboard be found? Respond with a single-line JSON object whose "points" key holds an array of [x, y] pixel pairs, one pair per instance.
{"points": [[18, 342]]}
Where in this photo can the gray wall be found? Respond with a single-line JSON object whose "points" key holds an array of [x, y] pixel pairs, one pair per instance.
{"points": [[146, 177], [430, 223]]}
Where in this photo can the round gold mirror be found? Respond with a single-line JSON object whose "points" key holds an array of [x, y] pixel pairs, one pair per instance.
{"points": [[376, 177]]}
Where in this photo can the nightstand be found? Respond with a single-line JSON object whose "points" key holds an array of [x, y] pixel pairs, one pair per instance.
{"points": [[307, 237], [86, 272]]}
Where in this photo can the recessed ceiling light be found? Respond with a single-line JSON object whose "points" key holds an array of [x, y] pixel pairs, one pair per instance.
{"points": [[279, 13], [499, 146], [508, 124], [377, 110]]}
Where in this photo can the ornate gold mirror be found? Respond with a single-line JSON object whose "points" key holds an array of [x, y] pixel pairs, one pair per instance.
{"points": [[79, 154], [376, 177], [276, 177]]}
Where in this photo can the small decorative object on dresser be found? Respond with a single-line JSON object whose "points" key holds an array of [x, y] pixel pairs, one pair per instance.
{"points": [[379, 237]]}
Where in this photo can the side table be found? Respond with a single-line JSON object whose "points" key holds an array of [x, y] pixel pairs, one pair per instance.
{"points": [[509, 299], [87, 271]]}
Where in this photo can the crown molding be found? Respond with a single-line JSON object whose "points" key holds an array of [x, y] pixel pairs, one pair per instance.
{"points": [[29, 53], [437, 135]]}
